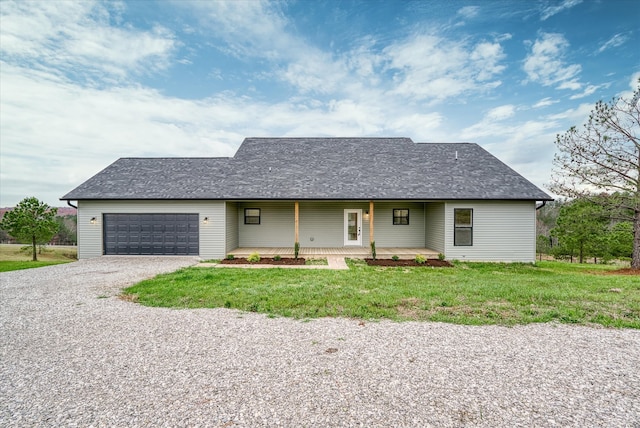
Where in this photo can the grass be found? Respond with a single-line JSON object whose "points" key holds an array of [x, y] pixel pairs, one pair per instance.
{"points": [[469, 293], [316, 262], [12, 257]]}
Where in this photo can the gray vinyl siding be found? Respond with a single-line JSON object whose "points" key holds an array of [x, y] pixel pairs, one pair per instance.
{"points": [[276, 227], [389, 235], [211, 235], [231, 219], [434, 226], [322, 223], [502, 231]]}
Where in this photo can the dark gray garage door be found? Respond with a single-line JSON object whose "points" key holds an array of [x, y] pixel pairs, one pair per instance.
{"points": [[151, 234]]}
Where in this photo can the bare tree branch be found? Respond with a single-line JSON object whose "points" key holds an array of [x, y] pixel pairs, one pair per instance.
{"points": [[604, 156]]}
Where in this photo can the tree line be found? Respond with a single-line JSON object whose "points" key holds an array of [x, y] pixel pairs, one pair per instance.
{"points": [[581, 229]]}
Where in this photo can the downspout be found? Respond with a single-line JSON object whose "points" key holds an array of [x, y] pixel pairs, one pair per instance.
{"points": [[70, 204], [541, 205]]}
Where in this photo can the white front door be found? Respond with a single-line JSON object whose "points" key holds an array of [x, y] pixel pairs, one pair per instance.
{"points": [[353, 227]]}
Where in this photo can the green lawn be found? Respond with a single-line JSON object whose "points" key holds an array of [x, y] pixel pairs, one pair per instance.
{"points": [[13, 257], [469, 293]]}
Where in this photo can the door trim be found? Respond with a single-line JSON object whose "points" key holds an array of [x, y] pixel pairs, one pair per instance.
{"points": [[347, 241]]}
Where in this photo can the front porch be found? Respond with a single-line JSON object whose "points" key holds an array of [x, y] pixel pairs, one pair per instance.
{"points": [[350, 252]]}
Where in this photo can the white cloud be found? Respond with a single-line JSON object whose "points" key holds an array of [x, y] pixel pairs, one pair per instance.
{"points": [[491, 124], [588, 91], [249, 28], [615, 41], [545, 102], [545, 63], [572, 84], [502, 112], [469, 12], [549, 11], [259, 29], [425, 67], [573, 116], [77, 38], [428, 67], [634, 82], [485, 58], [525, 144]]}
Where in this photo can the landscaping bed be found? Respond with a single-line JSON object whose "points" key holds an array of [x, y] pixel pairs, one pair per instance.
{"points": [[264, 261], [402, 263]]}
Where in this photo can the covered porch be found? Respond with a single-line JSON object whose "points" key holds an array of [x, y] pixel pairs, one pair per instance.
{"points": [[350, 252], [343, 228]]}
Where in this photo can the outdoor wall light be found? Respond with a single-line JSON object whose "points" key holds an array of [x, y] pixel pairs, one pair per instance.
{"points": [[366, 215], [205, 220], [93, 220]]}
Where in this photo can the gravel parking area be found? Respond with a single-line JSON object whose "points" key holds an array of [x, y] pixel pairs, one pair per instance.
{"points": [[73, 354]]}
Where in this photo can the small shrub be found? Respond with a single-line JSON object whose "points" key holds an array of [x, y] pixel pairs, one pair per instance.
{"points": [[253, 258], [395, 258], [440, 256], [420, 259], [373, 250], [277, 258], [296, 250], [230, 257]]}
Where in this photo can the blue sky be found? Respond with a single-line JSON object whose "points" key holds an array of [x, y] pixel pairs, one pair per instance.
{"points": [[84, 83]]}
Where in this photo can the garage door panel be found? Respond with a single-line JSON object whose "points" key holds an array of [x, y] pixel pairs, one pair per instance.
{"points": [[151, 234]]}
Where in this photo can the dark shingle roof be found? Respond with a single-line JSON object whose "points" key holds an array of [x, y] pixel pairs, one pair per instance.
{"points": [[317, 168]]}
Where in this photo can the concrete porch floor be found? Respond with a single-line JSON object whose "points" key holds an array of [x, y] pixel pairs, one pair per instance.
{"points": [[350, 252]]}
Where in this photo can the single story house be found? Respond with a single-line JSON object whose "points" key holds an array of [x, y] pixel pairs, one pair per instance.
{"points": [[325, 193]]}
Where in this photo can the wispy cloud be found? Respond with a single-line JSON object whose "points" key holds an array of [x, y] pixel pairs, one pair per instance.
{"points": [[546, 65], [545, 102], [615, 41], [548, 11], [469, 12], [428, 67], [248, 28], [588, 91], [491, 124], [524, 144], [77, 39], [425, 66]]}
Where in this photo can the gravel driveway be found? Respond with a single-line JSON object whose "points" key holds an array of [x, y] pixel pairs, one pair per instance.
{"points": [[73, 354]]}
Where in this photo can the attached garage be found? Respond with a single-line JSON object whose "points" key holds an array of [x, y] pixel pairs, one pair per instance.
{"points": [[151, 234]]}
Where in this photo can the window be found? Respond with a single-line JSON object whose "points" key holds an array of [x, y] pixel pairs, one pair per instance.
{"points": [[252, 216], [401, 216], [463, 227]]}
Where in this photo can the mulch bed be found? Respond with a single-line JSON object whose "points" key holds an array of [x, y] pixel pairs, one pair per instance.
{"points": [[264, 261], [401, 263]]}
